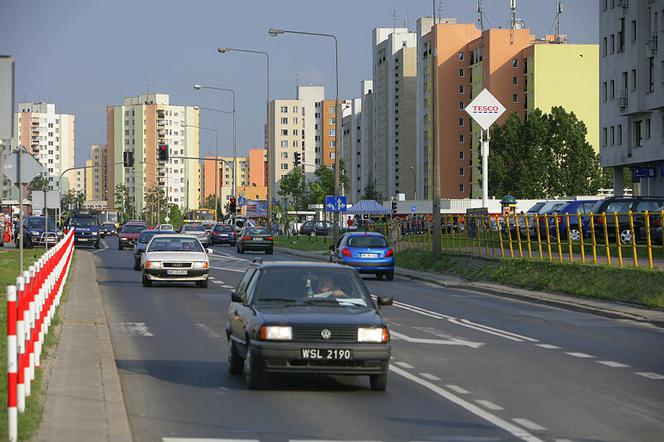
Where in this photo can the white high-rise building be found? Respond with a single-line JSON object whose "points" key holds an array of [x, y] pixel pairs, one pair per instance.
{"points": [[357, 142]]}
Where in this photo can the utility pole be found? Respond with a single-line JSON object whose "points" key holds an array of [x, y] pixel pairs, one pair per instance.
{"points": [[434, 142]]}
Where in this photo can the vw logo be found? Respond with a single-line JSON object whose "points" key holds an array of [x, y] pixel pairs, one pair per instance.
{"points": [[326, 334]]}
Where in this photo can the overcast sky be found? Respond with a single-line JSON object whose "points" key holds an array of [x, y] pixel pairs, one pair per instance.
{"points": [[83, 55]]}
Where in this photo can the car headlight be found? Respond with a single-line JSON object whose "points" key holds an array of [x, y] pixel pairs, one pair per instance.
{"points": [[94, 233], [153, 264], [124, 239], [373, 334], [200, 265], [276, 333], [35, 233]]}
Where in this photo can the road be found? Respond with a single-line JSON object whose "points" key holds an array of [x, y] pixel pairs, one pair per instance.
{"points": [[466, 367]]}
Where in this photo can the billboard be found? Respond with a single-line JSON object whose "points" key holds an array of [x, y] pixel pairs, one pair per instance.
{"points": [[256, 209]]}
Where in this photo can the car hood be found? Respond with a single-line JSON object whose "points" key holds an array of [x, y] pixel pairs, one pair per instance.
{"points": [[176, 256], [319, 315]]}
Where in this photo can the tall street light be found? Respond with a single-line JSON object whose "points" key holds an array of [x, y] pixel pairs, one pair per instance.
{"points": [[337, 176], [198, 87], [216, 165], [270, 171], [435, 177]]}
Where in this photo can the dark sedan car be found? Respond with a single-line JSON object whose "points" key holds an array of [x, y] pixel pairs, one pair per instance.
{"points": [[223, 234], [291, 317], [318, 228], [108, 229], [256, 239], [35, 234]]}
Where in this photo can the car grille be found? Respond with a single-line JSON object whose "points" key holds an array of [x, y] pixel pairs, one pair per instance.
{"points": [[313, 334], [177, 265]]}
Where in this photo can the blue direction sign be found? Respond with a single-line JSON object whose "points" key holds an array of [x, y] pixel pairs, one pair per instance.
{"points": [[335, 203], [242, 201]]}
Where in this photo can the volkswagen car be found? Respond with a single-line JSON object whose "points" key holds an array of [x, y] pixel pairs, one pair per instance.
{"points": [[368, 252], [302, 317], [175, 258]]}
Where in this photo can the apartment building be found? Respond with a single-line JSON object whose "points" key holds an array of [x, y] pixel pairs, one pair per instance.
{"points": [[77, 178], [49, 137], [524, 73], [96, 178], [357, 142], [224, 176], [140, 125], [394, 110], [632, 97]]}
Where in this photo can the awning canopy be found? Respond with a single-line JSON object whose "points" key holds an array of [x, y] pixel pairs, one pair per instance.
{"points": [[368, 207]]}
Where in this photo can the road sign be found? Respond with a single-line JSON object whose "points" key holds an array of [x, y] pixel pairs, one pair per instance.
{"points": [[335, 204], [6, 96], [413, 208], [167, 219], [645, 172], [241, 201], [52, 200], [485, 109], [30, 167]]}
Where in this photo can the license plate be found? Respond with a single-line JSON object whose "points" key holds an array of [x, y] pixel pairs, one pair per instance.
{"points": [[327, 354], [176, 272], [368, 255], [258, 239], [82, 239]]}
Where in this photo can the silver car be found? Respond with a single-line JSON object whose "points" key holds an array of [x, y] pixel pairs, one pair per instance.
{"points": [[197, 230], [175, 258]]}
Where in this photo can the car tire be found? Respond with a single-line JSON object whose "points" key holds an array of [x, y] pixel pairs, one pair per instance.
{"points": [[626, 236], [240, 250], [253, 376], [389, 276], [202, 284], [269, 252], [379, 276], [378, 382], [235, 362], [137, 264], [575, 234], [120, 246], [97, 244], [146, 282]]}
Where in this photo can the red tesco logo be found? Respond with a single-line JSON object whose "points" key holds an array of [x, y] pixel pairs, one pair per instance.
{"points": [[485, 109]]}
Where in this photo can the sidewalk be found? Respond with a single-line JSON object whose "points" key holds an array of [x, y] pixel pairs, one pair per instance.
{"points": [[84, 399], [596, 306]]}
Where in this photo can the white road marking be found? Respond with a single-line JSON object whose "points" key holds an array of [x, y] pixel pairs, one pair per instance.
{"points": [[548, 346], [472, 408], [404, 364], [218, 282], [563, 440], [227, 269], [529, 424], [207, 330], [226, 286], [202, 439], [130, 329], [650, 375], [579, 355], [525, 338], [511, 338], [430, 376], [328, 440], [490, 405], [211, 278], [452, 341], [613, 364], [457, 389]]}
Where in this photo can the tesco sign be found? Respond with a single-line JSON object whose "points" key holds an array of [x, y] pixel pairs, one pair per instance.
{"points": [[485, 109]]}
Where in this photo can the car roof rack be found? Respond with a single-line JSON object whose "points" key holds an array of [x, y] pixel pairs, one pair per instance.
{"points": [[257, 260]]}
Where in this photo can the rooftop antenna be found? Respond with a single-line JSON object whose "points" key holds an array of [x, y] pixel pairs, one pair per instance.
{"points": [[394, 20], [560, 8], [480, 15], [407, 18], [441, 6]]}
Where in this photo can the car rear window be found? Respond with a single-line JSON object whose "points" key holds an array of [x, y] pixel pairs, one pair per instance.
{"points": [[618, 206], [220, 228], [257, 231], [536, 207], [369, 241], [197, 228]]}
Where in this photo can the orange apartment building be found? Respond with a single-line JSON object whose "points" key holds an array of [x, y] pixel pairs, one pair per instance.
{"points": [[251, 176]]}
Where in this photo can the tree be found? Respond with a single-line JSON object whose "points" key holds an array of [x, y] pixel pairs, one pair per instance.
{"points": [[209, 202], [72, 200], [156, 205], [370, 191], [124, 203], [38, 184], [545, 156], [175, 215], [294, 186]]}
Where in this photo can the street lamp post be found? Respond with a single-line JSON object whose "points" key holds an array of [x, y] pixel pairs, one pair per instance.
{"points": [[232, 91], [270, 171], [337, 175], [435, 177], [216, 164], [412, 169]]}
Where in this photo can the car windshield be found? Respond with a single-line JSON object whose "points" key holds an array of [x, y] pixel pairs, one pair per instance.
{"points": [[197, 228], [38, 223], [257, 231], [325, 286], [146, 236], [175, 244], [133, 228], [556, 208], [108, 226], [536, 208], [370, 241], [83, 222]]}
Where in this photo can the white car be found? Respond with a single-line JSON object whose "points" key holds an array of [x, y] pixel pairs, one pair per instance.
{"points": [[165, 227], [175, 258]]}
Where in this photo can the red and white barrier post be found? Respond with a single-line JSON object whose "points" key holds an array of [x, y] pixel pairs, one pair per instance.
{"points": [[20, 333], [12, 366]]}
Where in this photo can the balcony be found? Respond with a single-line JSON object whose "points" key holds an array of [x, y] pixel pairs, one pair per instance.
{"points": [[623, 100]]}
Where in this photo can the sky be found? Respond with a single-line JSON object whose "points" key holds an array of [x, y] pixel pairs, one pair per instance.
{"points": [[84, 55]]}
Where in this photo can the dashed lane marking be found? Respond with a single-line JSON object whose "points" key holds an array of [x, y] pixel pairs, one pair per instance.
{"points": [[650, 375], [198, 439], [613, 364], [489, 405], [470, 407], [548, 346], [579, 355], [228, 269], [207, 330], [529, 424], [130, 329], [430, 376], [452, 341], [404, 364], [457, 389]]}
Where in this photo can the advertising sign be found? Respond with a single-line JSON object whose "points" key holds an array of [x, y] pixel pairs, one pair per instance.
{"points": [[256, 209], [485, 109]]}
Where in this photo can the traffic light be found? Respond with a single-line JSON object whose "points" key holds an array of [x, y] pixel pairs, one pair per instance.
{"points": [[232, 206], [394, 207], [163, 152], [297, 159], [128, 159]]}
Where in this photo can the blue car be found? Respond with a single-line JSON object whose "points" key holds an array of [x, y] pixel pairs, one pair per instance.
{"points": [[34, 233], [573, 208], [368, 252]]}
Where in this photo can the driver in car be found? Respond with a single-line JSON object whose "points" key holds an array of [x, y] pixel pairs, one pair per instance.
{"points": [[327, 289]]}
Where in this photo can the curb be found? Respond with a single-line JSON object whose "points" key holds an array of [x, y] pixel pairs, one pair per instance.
{"points": [[506, 291]]}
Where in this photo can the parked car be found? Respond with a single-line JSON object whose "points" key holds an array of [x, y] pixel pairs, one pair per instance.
{"points": [[621, 207], [548, 208], [34, 233], [86, 229], [223, 234], [368, 252], [290, 317], [255, 239], [198, 231], [108, 229], [572, 208], [318, 228], [142, 243], [175, 258], [129, 233]]}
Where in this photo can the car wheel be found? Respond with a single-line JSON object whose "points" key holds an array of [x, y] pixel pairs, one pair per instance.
{"points": [[97, 244], [269, 251], [389, 276], [253, 376], [235, 362], [240, 250], [626, 235], [137, 264], [146, 282], [202, 284], [119, 246], [574, 234], [379, 276], [378, 382]]}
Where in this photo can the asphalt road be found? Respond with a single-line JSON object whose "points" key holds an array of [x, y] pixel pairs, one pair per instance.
{"points": [[466, 367]]}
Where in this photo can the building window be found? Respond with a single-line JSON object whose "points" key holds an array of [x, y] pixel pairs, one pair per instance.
{"points": [[460, 56], [612, 91], [604, 136], [461, 189], [515, 98], [612, 43], [651, 74], [284, 155], [515, 63], [647, 132], [461, 171], [461, 139], [605, 47], [284, 109], [284, 143], [284, 121], [515, 81], [461, 72], [604, 91], [295, 109], [633, 30], [633, 79], [284, 132], [461, 106], [332, 133], [461, 122], [619, 142], [461, 89], [296, 132], [461, 156], [284, 166], [612, 131], [638, 133]]}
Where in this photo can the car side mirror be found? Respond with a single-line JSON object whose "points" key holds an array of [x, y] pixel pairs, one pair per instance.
{"points": [[209, 251], [235, 297], [385, 301]]}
